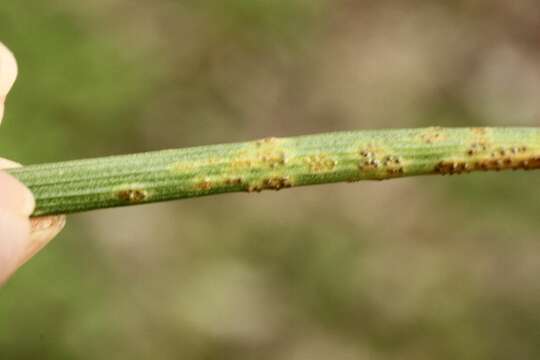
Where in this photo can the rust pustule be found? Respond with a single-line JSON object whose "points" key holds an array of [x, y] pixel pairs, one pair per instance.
{"points": [[273, 159], [276, 183], [132, 196], [433, 135], [477, 148], [369, 164], [451, 167], [233, 181], [264, 153], [272, 183], [206, 184], [369, 160], [497, 161], [366, 154], [391, 160], [393, 165], [394, 172]]}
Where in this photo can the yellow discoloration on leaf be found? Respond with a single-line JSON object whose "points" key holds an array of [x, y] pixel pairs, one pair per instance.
{"points": [[241, 164], [265, 153], [479, 131], [320, 163], [272, 159], [482, 137], [432, 135], [183, 166]]}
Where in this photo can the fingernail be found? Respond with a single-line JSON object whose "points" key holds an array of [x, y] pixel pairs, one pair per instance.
{"points": [[43, 230], [14, 196]]}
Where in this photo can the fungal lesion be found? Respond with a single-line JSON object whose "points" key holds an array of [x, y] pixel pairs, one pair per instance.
{"points": [[272, 159], [393, 165], [320, 163], [204, 184], [481, 158], [271, 183], [369, 160], [380, 166], [477, 148], [433, 135], [269, 153], [207, 183], [452, 167], [264, 153], [131, 195], [235, 181]]}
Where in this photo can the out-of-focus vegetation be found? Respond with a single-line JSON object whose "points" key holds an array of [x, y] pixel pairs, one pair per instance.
{"points": [[425, 268]]}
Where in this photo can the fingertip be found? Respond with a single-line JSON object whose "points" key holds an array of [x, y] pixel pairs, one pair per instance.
{"points": [[8, 71], [15, 197], [14, 240]]}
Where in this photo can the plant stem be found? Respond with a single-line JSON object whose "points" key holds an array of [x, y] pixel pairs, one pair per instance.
{"points": [[276, 163]]}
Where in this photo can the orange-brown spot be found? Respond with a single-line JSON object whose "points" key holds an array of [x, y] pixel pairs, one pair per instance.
{"points": [[132, 196], [497, 161], [276, 183], [395, 171], [477, 148], [451, 167], [433, 135], [204, 185], [233, 182], [272, 183]]}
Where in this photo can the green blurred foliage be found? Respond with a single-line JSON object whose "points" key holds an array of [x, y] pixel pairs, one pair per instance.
{"points": [[412, 269]]}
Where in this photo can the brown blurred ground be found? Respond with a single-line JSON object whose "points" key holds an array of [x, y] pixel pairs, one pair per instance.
{"points": [[420, 268]]}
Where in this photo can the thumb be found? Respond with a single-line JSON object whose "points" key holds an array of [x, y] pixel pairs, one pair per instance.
{"points": [[16, 205], [8, 74], [21, 237]]}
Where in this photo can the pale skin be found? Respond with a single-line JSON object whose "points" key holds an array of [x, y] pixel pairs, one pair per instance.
{"points": [[20, 236]]}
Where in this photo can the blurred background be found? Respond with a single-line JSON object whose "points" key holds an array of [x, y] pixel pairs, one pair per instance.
{"points": [[421, 268]]}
